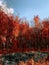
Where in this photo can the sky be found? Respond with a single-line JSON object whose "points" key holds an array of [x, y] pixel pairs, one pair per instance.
{"points": [[29, 8]]}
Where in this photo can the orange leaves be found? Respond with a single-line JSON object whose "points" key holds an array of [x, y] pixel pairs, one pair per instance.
{"points": [[16, 30], [17, 19], [18, 33], [36, 19]]}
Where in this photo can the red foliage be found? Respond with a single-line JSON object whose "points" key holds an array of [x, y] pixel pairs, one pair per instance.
{"points": [[20, 37]]}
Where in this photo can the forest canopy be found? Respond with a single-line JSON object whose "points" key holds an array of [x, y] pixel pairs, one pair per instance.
{"points": [[17, 36]]}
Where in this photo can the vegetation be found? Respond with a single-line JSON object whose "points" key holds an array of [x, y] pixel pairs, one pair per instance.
{"points": [[17, 36]]}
